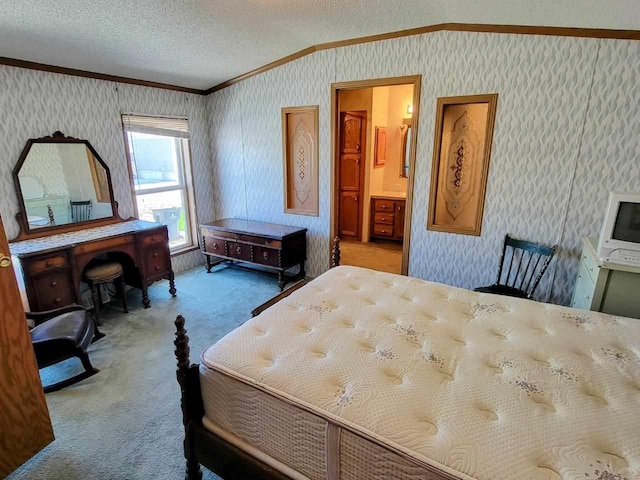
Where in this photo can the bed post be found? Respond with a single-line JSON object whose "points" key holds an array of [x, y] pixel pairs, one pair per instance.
{"points": [[188, 391], [335, 252]]}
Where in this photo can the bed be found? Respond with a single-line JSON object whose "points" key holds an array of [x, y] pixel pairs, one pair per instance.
{"points": [[368, 375]]}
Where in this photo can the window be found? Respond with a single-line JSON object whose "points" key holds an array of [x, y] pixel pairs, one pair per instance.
{"points": [[159, 156]]}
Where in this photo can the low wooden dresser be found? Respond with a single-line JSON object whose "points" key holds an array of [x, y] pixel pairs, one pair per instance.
{"points": [[275, 247], [52, 266], [387, 218]]}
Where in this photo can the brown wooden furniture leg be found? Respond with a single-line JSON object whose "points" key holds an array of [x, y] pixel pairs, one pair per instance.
{"points": [[172, 284], [146, 303], [96, 302], [208, 264], [121, 290], [335, 253]]}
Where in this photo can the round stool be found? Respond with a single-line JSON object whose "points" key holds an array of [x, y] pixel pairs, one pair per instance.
{"points": [[95, 276]]}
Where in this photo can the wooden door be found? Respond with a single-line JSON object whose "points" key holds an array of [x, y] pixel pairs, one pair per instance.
{"points": [[399, 220], [349, 205], [351, 173], [25, 427]]}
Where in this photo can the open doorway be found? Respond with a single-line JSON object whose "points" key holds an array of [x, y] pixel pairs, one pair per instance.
{"points": [[374, 124]]}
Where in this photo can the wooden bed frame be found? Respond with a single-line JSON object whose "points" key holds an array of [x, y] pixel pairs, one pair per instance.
{"points": [[201, 446]]}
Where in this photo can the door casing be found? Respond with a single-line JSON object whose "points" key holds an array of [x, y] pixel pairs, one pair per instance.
{"points": [[416, 81]]}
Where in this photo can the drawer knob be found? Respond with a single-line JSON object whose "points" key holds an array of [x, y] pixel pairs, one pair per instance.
{"points": [[48, 264], [54, 283], [157, 267], [238, 250], [215, 246], [265, 255], [155, 254], [57, 300], [383, 231], [5, 261]]}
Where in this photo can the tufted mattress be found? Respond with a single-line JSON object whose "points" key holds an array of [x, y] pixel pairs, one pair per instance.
{"points": [[369, 375]]}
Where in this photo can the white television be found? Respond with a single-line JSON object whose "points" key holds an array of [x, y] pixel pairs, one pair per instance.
{"points": [[620, 236]]}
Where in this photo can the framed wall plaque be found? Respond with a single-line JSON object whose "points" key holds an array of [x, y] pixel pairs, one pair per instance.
{"points": [[380, 149], [461, 152], [300, 159]]}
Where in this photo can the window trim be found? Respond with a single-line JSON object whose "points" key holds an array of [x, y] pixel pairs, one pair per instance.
{"points": [[187, 186]]}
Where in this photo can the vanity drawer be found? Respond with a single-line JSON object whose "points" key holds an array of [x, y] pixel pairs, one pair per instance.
{"points": [[53, 290], [381, 205], [266, 256], [161, 237], [156, 261], [383, 230], [384, 218], [44, 264], [103, 244]]}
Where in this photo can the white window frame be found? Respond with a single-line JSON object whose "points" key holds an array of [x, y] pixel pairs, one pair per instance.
{"points": [[182, 144]]}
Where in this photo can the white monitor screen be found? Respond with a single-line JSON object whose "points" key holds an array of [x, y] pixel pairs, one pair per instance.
{"points": [[627, 226]]}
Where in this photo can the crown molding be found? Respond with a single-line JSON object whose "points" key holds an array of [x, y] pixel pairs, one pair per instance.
{"points": [[451, 27], [12, 62]]}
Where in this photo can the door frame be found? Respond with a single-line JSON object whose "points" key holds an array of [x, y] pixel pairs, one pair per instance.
{"points": [[416, 81], [361, 175]]}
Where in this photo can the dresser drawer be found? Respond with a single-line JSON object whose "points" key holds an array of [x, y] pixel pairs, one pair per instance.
{"points": [[240, 251], [53, 290], [384, 218], [590, 266], [266, 256], [380, 205], [585, 288], [44, 264], [213, 245], [383, 230]]}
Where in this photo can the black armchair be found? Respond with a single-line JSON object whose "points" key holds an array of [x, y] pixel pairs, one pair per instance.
{"points": [[62, 334]]}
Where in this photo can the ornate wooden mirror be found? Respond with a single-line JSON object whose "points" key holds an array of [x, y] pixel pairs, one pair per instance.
{"points": [[62, 182]]}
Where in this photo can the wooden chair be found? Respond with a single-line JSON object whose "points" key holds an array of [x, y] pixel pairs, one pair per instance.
{"points": [[80, 211], [61, 334], [104, 273], [528, 262]]}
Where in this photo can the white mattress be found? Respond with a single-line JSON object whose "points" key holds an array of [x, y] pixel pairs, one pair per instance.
{"points": [[362, 374]]}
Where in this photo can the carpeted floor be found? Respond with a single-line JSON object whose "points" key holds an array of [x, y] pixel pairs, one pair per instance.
{"points": [[125, 422], [381, 256]]}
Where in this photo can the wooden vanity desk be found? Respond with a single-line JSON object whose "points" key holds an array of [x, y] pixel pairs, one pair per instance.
{"points": [[52, 266], [54, 249]]}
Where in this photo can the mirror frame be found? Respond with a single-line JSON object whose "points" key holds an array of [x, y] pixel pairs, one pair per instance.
{"points": [[26, 232]]}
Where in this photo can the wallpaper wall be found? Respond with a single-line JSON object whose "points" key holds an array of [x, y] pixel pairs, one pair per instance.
{"points": [[35, 104], [567, 131]]}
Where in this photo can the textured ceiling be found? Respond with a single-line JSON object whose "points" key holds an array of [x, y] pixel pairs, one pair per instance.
{"points": [[203, 43]]}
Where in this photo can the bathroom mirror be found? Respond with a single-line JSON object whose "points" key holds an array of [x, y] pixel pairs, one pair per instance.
{"points": [[60, 181], [405, 132]]}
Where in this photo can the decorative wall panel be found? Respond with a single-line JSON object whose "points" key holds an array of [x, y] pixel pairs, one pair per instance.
{"points": [[546, 100], [35, 104], [300, 159]]}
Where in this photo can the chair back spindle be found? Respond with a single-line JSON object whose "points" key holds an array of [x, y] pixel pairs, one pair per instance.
{"points": [[527, 263], [80, 211]]}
